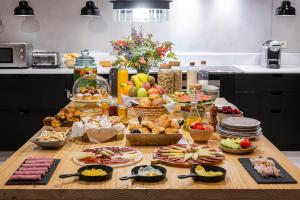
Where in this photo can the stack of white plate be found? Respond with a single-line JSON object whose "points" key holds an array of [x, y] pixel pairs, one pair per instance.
{"points": [[239, 127]]}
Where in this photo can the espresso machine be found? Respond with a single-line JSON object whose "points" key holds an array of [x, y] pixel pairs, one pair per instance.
{"points": [[271, 57]]}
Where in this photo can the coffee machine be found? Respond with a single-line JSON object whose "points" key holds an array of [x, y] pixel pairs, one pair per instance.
{"points": [[271, 57]]}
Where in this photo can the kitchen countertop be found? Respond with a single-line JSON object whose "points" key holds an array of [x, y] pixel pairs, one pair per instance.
{"points": [[244, 69]]}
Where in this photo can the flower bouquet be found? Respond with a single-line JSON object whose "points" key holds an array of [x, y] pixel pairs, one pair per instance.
{"points": [[141, 53]]}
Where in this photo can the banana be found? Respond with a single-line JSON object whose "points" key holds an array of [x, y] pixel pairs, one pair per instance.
{"points": [[143, 77], [137, 82]]}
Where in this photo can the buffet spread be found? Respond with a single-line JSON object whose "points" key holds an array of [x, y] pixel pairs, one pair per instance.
{"points": [[145, 133]]}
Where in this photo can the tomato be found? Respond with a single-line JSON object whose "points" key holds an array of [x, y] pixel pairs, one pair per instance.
{"points": [[245, 143]]}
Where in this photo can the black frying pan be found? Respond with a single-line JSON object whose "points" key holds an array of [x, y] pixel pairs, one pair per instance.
{"points": [[148, 179], [213, 179], [108, 169]]}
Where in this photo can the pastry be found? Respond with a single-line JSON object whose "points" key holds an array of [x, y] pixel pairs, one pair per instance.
{"points": [[145, 102], [158, 130], [148, 124], [158, 102], [79, 96], [115, 120], [154, 96]]}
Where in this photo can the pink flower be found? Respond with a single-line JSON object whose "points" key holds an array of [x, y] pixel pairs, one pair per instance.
{"points": [[142, 60]]}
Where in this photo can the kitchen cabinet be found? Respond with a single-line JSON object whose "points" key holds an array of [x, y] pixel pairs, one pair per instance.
{"points": [[26, 100], [272, 99]]}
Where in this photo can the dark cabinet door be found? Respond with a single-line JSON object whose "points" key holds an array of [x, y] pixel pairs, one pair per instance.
{"points": [[47, 92], [15, 91], [18, 126], [274, 100]]}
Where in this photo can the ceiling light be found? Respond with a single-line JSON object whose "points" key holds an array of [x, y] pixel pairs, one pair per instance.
{"points": [[141, 10], [286, 9], [23, 9], [90, 9]]}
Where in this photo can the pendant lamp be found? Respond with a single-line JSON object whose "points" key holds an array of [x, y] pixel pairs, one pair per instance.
{"points": [[23, 9], [90, 9], [286, 9]]}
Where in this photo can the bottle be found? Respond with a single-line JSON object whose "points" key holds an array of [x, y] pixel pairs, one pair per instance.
{"points": [[122, 78], [113, 81], [202, 74], [191, 75], [193, 115]]}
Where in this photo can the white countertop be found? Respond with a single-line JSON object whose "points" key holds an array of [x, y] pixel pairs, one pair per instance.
{"points": [[247, 69], [258, 69]]}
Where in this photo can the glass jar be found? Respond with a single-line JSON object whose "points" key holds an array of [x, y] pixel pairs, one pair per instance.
{"points": [[85, 65], [177, 78], [165, 78], [113, 107]]}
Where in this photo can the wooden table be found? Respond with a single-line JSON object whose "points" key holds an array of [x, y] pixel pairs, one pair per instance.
{"points": [[237, 185]]}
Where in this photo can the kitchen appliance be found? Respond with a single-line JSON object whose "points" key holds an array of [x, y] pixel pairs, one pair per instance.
{"points": [[45, 60], [15, 55], [271, 57]]}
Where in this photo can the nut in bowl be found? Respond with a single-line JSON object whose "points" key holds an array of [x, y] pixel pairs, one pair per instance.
{"points": [[201, 132], [228, 111]]}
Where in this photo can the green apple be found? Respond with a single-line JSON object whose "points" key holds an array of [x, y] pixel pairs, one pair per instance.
{"points": [[142, 92]]}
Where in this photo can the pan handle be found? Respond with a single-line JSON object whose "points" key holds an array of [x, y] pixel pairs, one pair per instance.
{"points": [[187, 176], [68, 175], [124, 178]]}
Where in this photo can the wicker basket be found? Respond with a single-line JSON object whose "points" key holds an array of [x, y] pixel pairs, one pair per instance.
{"points": [[151, 113]]}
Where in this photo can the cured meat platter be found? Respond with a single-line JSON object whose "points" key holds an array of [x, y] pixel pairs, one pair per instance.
{"points": [[113, 156], [187, 155], [34, 171]]}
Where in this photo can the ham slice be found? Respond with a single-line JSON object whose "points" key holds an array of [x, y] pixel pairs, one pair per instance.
{"points": [[37, 165], [33, 169], [38, 161], [42, 173], [39, 158], [26, 177]]}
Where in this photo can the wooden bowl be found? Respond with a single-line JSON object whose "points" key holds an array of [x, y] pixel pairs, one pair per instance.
{"points": [[222, 116], [238, 151], [201, 135]]}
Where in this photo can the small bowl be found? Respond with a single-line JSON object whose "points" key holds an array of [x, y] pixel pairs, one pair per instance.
{"points": [[202, 135], [213, 179], [105, 63], [222, 116]]}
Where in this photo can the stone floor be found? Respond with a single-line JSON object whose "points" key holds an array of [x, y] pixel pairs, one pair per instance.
{"points": [[292, 155]]}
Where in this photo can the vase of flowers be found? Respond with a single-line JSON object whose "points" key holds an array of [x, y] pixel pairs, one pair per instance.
{"points": [[141, 53]]}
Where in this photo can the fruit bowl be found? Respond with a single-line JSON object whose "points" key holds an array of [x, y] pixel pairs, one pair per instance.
{"points": [[201, 135], [228, 111]]}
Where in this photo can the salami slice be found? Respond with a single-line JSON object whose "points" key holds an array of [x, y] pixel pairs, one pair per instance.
{"points": [[26, 177]]}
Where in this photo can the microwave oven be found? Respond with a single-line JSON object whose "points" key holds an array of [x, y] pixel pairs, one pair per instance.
{"points": [[15, 55]]}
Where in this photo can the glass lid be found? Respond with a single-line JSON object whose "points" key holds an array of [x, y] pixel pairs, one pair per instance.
{"points": [[90, 88], [85, 59]]}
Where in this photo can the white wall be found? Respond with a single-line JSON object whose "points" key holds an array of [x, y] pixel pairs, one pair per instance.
{"points": [[223, 26]]}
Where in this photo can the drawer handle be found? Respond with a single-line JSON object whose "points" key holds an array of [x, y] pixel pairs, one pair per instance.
{"points": [[276, 93], [276, 111], [23, 111]]}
